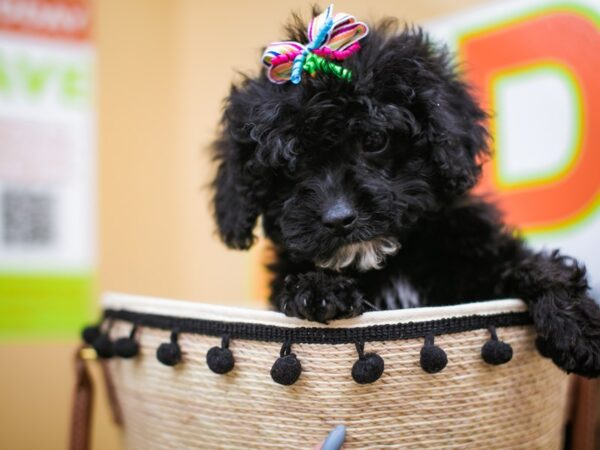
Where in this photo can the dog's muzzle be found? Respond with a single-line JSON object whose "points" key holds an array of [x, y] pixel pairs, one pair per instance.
{"points": [[366, 255]]}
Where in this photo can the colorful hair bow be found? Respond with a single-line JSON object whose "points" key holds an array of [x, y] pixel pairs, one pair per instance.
{"points": [[331, 37]]}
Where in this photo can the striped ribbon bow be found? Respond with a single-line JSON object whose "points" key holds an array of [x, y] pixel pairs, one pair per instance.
{"points": [[331, 37]]}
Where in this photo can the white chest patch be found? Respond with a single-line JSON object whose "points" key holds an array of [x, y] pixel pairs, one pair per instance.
{"points": [[364, 256], [400, 294]]}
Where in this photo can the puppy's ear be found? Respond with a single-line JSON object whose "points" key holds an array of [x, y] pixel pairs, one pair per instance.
{"points": [[421, 76], [240, 183], [455, 128]]}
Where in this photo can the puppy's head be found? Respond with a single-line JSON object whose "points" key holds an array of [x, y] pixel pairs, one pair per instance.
{"points": [[340, 170]]}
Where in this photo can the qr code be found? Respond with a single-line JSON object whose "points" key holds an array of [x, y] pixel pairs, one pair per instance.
{"points": [[28, 218]]}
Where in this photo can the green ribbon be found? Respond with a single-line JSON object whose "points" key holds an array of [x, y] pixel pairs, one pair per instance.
{"points": [[315, 63]]}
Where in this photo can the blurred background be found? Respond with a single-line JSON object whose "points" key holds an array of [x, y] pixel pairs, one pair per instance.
{"points": [[107, 109]]}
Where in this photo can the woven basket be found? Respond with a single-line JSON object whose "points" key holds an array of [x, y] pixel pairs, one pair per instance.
{"points": [[467, 403]]}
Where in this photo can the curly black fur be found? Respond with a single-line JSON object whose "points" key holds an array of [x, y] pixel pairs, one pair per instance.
{"points": [[396, 151]]}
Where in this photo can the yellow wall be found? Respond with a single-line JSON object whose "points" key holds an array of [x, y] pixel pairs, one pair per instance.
{"points": [[163, 69]]}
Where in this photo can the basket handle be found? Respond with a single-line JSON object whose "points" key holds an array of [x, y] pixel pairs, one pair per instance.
{"points": [[83, 399], [81, 413]]}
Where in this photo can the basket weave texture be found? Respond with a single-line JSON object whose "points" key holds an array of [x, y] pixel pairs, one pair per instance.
{"points": [[468, 405]]}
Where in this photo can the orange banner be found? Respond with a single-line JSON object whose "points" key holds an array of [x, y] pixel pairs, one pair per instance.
{"points": [[61, 19]]}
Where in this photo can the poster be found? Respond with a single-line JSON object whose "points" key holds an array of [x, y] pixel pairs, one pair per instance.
{"points": [[534, 65], [47, 168]]}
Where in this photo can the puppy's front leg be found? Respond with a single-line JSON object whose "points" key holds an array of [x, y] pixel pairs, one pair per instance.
{"points": [[318, 295], [476, 256], [566, 318]]}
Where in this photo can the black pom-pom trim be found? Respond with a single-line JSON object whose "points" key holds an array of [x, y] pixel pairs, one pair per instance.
{"points": [[104, 346], [312, 335], [169, 353], [433, 358], [220, 359], [287, 369], [368, 368], [127, 347], [90, 334], [496, 352]]}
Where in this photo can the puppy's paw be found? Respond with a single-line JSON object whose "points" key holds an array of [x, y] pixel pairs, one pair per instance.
{"points": [[571, 338], [581, 357], [320, 297]]}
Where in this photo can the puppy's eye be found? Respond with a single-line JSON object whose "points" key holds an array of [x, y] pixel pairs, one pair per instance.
{"points": [[375, 142]]}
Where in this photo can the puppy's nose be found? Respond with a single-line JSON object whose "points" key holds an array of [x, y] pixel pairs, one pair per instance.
{"points": [[339, 217]]}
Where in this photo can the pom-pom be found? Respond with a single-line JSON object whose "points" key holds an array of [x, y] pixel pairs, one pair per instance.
{"points": [[368, 368], [496, 352], [90, 334], [126, 347], [220, 360], [169, 353], [286, 370], [103, 346], [433, 358]]}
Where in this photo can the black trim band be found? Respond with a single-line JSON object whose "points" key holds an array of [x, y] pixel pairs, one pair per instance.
{"points": [[314, 335]]}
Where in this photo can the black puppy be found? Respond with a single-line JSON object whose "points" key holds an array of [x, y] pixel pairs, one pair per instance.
{"points": [[363, 188]]}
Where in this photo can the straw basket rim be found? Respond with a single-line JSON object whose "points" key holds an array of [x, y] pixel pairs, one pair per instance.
{"points": [[114, 302], [238, 323]]}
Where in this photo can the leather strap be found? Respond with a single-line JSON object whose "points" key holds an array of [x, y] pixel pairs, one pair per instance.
{"points": [[584, 413], [82, 405]]}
